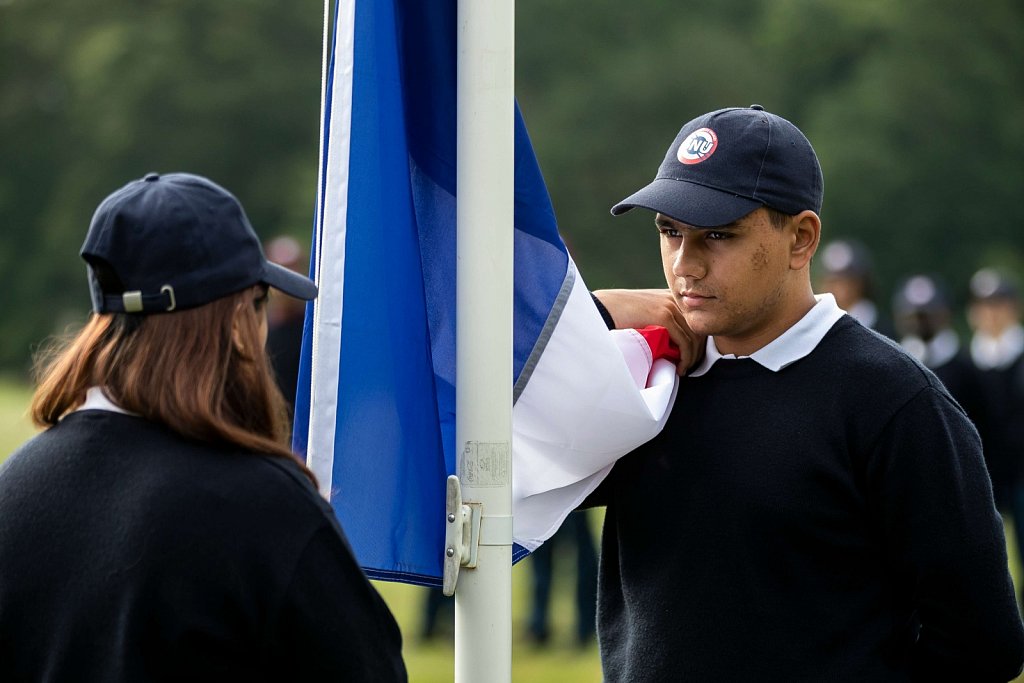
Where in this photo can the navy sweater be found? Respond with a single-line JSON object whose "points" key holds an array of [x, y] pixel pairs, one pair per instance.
{"points": [[128, 553], [830, 522]]}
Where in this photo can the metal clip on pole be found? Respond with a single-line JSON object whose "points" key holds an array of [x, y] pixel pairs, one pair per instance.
{"points": [[461, 534]]}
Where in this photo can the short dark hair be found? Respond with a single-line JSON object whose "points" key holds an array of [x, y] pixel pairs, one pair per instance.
{"points": [[778, 218]]}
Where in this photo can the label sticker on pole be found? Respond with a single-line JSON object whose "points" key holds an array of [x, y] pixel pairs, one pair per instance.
{"points": [[485, 465]]}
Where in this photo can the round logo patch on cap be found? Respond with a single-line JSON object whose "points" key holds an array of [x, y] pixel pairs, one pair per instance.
{"points": [[698, 146]]}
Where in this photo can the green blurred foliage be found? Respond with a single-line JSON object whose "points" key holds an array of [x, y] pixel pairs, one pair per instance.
{"points": [[915, 108], [95, 94]]}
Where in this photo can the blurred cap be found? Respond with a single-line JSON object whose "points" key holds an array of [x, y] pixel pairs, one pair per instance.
{"points": [[285, 251], [727, 163], [988, 284], [845, 258], [920, 294], [176, 241]]}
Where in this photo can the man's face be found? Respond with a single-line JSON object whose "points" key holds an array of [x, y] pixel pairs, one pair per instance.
{"points": [[729, 281], [847, 289], [925, 324], [993, 316]]}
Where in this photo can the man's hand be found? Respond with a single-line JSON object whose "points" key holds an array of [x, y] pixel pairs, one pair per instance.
{"points": [[636, 308]]}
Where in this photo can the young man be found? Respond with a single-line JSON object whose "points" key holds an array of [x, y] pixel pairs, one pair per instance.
{"points": [[997, 349], [923, 316], [817, 507], [845, 271]]}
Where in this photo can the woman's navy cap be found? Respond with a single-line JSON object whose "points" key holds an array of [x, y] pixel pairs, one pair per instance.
{"points": [[727, 163], [175, 241]]}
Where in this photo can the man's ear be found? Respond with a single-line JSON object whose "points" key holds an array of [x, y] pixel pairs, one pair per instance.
{"points": [[806, 236]]}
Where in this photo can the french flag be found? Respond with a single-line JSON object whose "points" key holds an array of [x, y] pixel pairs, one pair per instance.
{"points": [[375, 410]]}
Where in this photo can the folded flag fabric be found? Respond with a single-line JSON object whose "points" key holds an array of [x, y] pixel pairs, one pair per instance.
{"points": [[595, 396], [375, 408]]}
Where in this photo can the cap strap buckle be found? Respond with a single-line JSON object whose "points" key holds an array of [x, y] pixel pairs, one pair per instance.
{"points": [[135, 302], [170, 292], [132, 301]]}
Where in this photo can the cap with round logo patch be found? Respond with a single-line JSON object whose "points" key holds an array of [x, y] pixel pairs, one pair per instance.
{"points": [[697, 147], [726, 163]]}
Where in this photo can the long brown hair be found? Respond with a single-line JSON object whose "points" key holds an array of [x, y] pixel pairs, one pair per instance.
{"points": [[201, 372]]}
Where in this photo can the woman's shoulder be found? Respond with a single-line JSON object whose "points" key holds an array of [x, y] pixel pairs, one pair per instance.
{"points": [[149, 457], [251, 479]]}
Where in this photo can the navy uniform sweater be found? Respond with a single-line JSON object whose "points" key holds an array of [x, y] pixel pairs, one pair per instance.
{"points": [[1004, 436], [830, 522], [130, 554]]}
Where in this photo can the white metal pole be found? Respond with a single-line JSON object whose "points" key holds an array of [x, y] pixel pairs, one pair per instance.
{"points": [[483, 596]]}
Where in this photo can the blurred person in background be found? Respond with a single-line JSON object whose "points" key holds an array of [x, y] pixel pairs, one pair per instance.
{"points": [[437, 619], [286, 316], [574, 536], [997, 348], [160, 528], [923, 314], [845, 270]]}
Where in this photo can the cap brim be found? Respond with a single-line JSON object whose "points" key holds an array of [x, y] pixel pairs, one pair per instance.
{"points": [[689, 203], [289, 282]]}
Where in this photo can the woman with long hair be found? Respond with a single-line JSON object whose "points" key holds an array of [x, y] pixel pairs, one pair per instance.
{"points": [[160, 527]]}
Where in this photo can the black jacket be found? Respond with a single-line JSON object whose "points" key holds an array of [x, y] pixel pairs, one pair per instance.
{"points": [[128, 553]]}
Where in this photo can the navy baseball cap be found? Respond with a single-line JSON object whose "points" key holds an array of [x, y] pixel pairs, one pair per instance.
{"points": [[847, 258], [727, 163], [989, 284], [921, 294], [176, 241]]}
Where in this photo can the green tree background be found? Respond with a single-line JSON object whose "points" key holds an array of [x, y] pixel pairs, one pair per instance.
{"points": [[915, 109]]}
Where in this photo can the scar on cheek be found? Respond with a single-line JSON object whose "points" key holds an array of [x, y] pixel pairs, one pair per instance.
{"points": [[759, 259]]}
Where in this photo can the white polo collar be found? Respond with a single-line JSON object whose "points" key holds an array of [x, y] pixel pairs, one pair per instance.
{"points": [[998, 352], [865, 312], [790, 346], [935, 352], [96, 399]]}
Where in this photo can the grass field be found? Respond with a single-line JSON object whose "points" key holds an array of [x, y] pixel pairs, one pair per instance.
{"points": [[430, 662], [15, 426]]}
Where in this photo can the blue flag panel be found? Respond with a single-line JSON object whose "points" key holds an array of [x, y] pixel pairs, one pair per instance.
{"points": [[391, 173]]}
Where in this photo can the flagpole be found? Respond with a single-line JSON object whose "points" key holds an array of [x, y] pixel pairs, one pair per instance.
{"points": [[485, 158]]}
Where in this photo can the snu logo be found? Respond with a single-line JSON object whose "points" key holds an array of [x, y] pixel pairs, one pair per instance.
{"points": [[698, 146]]}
